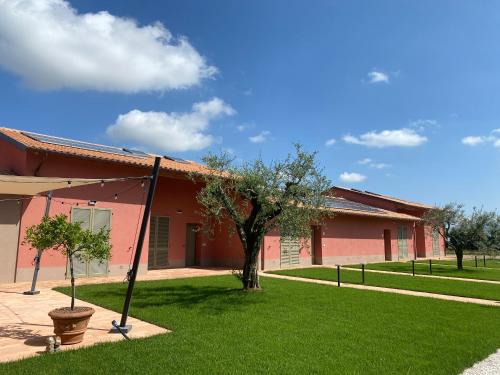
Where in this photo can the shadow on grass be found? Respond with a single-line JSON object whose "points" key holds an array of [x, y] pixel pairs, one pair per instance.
{"points": [[210, 299], [187, 296]]}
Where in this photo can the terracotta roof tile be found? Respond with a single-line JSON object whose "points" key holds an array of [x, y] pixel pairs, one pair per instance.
{"points": [[18, 137], [31, 144]]}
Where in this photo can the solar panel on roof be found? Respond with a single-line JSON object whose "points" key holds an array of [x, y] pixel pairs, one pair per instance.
{"points": [[135, 152], [178, 160], [83, 145], [344, 204]]}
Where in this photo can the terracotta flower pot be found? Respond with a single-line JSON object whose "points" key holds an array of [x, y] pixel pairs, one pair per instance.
{"points": [[70, 325]]}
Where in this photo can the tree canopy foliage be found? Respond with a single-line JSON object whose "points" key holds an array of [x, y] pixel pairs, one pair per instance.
{"points": [[256, 198], [479, 230], [71, 240]]}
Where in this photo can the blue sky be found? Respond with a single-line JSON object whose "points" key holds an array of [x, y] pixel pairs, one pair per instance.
{"points": [[407, 90]]}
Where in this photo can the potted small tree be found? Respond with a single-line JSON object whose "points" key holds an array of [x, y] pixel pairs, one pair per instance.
{"points": [[70, 323]]}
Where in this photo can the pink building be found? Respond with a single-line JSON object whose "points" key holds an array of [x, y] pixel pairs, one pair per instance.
{"points": [[367, 227]]}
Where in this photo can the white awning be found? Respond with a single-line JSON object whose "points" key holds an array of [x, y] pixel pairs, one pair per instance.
{"points": [[28, 185]]}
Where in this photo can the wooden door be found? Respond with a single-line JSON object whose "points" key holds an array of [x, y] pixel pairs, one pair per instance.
{"points": [[290, 252], [387, 244], [402, 242]]}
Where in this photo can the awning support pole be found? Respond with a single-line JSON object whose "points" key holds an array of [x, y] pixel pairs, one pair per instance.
{"points": [[135, 267], [38, 256]]}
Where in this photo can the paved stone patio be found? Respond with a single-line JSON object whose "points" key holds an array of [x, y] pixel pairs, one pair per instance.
{"points": [[25, 325]]}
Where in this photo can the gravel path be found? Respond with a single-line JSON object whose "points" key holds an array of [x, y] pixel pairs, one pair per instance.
{"points": [[488, 366]]}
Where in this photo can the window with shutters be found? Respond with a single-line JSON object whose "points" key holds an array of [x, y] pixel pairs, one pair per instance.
{"points": [[402, 242], [435, 242], [94, 219], [159, 232]]}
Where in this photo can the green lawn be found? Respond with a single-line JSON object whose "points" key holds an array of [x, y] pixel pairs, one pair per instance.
{"points": [[289, 328], [421, 284], [490, 263], [422, 267]]}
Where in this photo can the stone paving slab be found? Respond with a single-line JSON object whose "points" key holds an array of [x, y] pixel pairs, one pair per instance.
{"points": [[388, 290], [25, 324]]}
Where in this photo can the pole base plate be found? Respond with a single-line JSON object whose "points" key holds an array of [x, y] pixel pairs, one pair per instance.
{"points": [[31, 292], [125, 329]]}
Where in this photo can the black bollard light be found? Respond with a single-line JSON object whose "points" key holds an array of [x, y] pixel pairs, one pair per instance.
{"points": [[338, 275], [363, 273], [430, 266], [413, 267]]}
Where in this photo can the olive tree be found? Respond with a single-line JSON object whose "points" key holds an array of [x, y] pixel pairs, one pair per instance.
{"points": [[71, 240], [256, 198], [460, 231], [492, 242]]}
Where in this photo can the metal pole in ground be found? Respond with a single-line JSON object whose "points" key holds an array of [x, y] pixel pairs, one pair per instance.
{"points": [[338, 275], [413, 267], [363, 272], [138, 250], [484, 260], [38, 256], [475, 258], [430, 266]]}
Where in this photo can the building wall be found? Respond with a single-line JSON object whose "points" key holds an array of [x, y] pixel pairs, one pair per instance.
{"points": [[12, 159], [356, 239], [343, 240], [271, 252], [175, 197], [423, 235], [125, 212]]}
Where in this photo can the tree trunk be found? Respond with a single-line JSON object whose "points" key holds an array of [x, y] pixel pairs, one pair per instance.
{"points": [[250, 267], [460, 257], [73, 289]]}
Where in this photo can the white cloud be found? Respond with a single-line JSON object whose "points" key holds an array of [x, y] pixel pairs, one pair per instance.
{"points": [[423, 124], [388, 138], [243, 127], [371, 163], [170, 131], [330, 142], [473, 140], [380, 165], [52, 46], [377, 77], [261, 137], [352, 177], [365, 161]]}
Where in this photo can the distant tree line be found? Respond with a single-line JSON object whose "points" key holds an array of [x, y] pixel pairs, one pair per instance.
{"points": [[478, 231]]}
